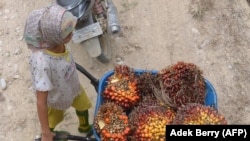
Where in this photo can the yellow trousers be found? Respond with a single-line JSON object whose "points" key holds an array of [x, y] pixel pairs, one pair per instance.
{"points": [[80, 103]]}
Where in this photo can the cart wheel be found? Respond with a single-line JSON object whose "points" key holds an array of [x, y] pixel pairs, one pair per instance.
{"points": [[105, 48]]}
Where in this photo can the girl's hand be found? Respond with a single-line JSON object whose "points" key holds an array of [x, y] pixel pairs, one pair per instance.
{"points": [[48, 136]]}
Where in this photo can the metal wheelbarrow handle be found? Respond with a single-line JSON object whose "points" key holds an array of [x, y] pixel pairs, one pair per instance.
{"points": [[70, 137], [64, 135], [93, 80]]}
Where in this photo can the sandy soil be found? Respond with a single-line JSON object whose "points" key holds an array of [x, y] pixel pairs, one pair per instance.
{"points": [[214, 35]]}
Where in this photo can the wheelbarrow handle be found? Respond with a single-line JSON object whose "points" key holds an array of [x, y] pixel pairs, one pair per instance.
{"points": [[70, 137], [93, 80]]}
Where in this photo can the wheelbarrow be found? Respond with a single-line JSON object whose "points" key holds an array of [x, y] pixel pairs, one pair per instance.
{"points": [[100, 84]]}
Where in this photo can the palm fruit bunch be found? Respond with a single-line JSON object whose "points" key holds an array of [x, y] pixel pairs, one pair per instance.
{"points": [[145, 81], [111, 122], [148, 122], [148, 101], [198, 114], [182, 83], [122, 87]]}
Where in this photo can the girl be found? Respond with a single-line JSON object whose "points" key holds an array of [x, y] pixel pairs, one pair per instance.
{"points": [[54, 75]]}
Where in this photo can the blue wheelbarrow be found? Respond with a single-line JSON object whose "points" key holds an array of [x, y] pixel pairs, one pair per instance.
{"points": [[100, 84]]}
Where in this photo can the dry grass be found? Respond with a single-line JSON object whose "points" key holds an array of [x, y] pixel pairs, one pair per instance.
{"points": [[198, 8], [128, 5]]}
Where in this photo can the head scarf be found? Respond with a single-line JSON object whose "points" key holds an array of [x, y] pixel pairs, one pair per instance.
{"points": [[32, 34], [51, 26]]}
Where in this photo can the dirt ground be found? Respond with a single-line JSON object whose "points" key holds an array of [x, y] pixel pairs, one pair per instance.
{"points": [[213, 34]]}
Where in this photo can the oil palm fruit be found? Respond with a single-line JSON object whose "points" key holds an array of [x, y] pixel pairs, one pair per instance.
{"points": [[182, 83], [122, 87], [198, 114], [148, 122], [111, 122]]}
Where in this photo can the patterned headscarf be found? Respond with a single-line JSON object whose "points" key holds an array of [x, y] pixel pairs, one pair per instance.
{"points": [[49, 26], [32, 34]]}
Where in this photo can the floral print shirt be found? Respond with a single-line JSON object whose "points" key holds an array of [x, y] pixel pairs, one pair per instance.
{"points": [[57, 74]]}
